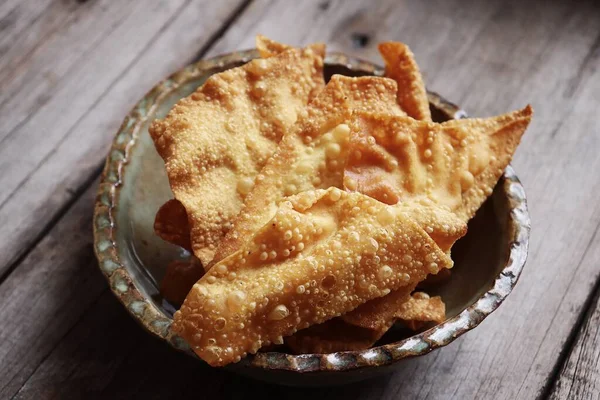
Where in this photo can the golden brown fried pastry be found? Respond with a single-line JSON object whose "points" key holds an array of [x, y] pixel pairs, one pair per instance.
{"points": [[378, 315], [171, 224], [323, 253], [400, 65], [412, 98], [455, 164], [313, 154], [215, 141], [421, 309], [283, 266], [268, 48], [398, 159], [179, 279]]}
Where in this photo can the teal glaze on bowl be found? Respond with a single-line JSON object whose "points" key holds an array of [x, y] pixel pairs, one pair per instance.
{"points": [[488, 260]]}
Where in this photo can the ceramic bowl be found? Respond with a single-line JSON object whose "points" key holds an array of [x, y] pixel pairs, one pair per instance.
{"points": [[488, 260]]}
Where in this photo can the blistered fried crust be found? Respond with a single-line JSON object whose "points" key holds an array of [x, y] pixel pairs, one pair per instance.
{"points": [[427, 163], [313, 154], [444, 228], [356, 330], [171, 220], [420, 309], [378, 315], [352, 332], [455, 164], [171, 224], [268, 48], [215, 141], [323, 254], [400, 65]]}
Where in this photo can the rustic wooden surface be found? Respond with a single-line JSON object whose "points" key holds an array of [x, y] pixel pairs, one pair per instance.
{"points": [[69, 72]]}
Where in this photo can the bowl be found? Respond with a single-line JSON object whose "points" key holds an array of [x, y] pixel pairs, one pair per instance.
{"points": [[488, 260]]}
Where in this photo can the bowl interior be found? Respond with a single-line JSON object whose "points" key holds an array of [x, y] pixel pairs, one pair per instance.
{"points": [[479, 257]]}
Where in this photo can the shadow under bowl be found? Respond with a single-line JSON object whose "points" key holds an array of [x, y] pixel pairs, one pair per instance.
{"points": [[488, 260]]}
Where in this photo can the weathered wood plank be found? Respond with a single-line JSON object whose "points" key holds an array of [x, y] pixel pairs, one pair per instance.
{"points": [[46, 295], [19, 31], [579, 377], [74, 126], [51, 51], [107, 355], [491, 56]]}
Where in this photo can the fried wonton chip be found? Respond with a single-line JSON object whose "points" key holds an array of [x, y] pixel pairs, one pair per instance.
{"points": [[400, 65], [268, 48], [455, 164], [215, 141], [412, 98], [378, 315], [313, 154], [179, 279], [421, 309], [324, 253], [171, 224]]}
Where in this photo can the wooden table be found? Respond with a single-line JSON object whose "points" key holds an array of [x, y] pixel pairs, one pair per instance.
{"points": [[69, 72]]}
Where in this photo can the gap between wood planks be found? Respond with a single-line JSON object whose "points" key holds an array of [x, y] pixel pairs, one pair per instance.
{"points": [[98, 170], [53, 221], [585, 313]]}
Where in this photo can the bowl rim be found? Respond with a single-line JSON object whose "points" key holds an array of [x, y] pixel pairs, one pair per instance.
{"points": [[154, 321]]}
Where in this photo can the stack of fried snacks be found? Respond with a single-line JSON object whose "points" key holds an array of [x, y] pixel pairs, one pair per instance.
{"points": [[316, 209]]}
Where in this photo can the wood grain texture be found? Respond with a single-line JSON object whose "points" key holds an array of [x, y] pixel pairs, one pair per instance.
{"points": [[579, 378], [20, 30], [489, 57], [46, 296], [55, 132]]}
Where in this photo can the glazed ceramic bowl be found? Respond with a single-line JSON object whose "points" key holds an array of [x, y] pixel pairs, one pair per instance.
{"points": [[488, 260]]}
